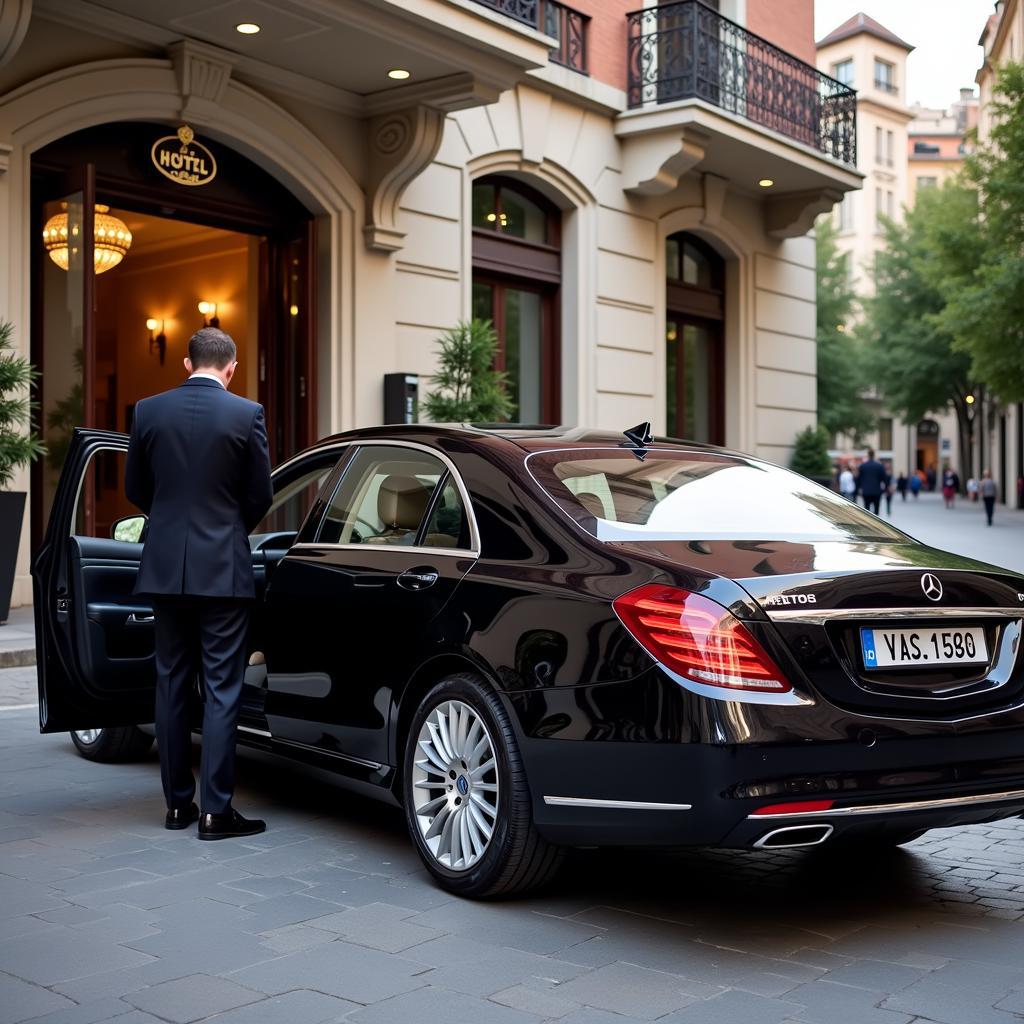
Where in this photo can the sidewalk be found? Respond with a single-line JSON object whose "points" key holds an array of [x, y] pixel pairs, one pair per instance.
{"points": [[18, 639]]}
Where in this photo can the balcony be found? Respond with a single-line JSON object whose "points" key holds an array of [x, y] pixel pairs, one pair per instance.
{"points": [[702, 90], [554, 19], [686, 50]]}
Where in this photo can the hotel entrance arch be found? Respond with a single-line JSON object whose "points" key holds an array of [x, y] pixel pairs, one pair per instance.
{"points": [[182, 231]]}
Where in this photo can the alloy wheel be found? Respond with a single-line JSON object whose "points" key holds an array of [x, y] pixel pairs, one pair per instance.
{"points": [[455, 781], [88, 735]]}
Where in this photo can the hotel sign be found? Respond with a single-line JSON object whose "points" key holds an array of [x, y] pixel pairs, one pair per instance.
{"points": [[182, 159]]}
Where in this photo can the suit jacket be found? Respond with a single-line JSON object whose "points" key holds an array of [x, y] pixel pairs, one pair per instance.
{"points": [[872, 478], [198, 466]]}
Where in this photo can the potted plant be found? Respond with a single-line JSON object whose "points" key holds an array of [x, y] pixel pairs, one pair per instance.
{"points": [[467, 387], [18, 447], [811, 457]]}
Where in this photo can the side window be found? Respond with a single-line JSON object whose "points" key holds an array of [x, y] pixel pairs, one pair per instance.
{"points": [[382, 498], [294, 498], [101, 500], [448, 526]]}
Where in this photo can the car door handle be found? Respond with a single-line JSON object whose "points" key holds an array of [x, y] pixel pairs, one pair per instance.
{"points": [[419, 578], [141, 617]]}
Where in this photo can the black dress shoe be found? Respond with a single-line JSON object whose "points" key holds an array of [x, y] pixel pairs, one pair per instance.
{"points": [[230, 825], [181, 817]]}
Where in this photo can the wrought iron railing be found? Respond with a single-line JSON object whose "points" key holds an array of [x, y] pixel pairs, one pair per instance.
{"points": [[555, 19], [526, 11], [687, 50], [569, 27]]}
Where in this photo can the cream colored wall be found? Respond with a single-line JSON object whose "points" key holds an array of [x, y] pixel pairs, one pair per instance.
{"points": [[613, 262], [875, 109]]}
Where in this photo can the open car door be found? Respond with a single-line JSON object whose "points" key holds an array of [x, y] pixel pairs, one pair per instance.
{"points": [[94, 637]]}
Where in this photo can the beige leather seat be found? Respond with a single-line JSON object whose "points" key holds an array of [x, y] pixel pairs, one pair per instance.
{"points": [[401, 503], [592, 503]]}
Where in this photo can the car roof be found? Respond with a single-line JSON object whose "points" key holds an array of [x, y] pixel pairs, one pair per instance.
{"points": [[528, 437]]}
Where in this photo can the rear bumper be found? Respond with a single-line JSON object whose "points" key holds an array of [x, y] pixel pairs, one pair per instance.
{"points": [[624, 794]]}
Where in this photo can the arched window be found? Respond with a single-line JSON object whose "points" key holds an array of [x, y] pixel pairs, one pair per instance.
{"points": [[694, 356], [517, 273]]}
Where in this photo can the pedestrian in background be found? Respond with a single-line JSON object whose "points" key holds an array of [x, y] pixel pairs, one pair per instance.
{"points": [[972, 488], [915, 484], [989, 491], [950, 485], [901, 485], [847, 483], [871, 482]]}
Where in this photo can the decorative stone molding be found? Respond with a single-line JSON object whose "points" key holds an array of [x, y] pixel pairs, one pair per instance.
{"points": [[203, 74], [5, 157], [653, 162], [402, 144], [793, 215], [714, 188], [14, 18]]}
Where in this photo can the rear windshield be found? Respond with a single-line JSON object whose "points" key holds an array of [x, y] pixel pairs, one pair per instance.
{"points": [[681, 495]]}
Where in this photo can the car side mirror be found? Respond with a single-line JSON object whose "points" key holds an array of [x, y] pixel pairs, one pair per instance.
{"points": [[130, 529]]}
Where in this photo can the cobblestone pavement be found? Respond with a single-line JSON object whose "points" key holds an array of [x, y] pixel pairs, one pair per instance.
{"points": [[106, 916], [328, 916]]}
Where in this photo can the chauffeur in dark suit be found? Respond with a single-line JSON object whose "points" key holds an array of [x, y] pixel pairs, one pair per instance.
{"points": [[198, 466]]}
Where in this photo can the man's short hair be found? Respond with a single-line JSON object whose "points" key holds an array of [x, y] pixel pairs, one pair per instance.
{"points": [[211, 347], [871, 451]]}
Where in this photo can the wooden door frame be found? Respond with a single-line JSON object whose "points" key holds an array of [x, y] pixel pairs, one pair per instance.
{"points": [[716, 412]]}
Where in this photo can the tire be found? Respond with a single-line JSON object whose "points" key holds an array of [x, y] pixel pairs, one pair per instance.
{"points": [[447, 811], [122, 743]]}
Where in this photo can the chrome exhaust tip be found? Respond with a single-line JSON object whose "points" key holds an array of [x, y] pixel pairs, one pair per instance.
{"points": [[793, 836]]}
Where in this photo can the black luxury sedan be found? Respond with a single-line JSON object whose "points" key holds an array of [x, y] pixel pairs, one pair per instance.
{"points": [[539, 638]]}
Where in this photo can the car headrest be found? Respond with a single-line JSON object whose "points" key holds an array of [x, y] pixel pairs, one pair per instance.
{"points": [[592, 503], [401, 502]]}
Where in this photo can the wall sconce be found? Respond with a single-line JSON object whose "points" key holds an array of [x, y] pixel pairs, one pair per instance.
{"points": [[209, 312], [160, 340]]}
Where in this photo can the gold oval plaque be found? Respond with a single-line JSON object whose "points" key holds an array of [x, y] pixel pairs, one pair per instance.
{"points": [[182, 159]]}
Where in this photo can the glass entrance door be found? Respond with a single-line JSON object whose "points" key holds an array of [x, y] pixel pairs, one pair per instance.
{"points": [[692, 373], [64, 337], [287, 357]]}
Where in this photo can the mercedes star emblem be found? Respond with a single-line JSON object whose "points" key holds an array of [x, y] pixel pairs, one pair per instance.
{"points": [[931, 586]]}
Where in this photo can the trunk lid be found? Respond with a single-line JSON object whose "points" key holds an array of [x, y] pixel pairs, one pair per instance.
{"points": [[819, 596]]}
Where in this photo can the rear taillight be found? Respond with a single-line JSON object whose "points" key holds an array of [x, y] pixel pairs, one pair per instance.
{"points": [[699, 639]]}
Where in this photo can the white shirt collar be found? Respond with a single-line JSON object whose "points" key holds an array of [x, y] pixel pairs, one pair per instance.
{"points": [[208, 376]]}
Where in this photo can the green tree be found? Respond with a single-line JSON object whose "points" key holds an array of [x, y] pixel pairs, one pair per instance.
{"points": [[467, 387], [18, 445], [917, 368], [810, 454], [842, 372], [984, 312]]}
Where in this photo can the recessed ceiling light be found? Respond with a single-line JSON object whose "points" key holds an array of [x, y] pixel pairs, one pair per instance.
{"points": [[766, 183], [399, 74], [247, 28]]}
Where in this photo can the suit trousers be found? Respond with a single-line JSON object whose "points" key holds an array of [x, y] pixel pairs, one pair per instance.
{"points": [[201, 636]]}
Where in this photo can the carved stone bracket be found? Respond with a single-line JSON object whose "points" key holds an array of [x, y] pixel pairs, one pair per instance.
{"points": [[793, 215], [203, 73], [653, 162], [5, 157], [14, 18], [402, 144]]}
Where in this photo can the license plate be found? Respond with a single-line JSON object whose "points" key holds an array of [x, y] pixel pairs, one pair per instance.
{"points": [[917, 648]]}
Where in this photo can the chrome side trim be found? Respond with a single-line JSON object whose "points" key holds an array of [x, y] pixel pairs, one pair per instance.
{"points": [[909, 805], [762, 843], [819, 615], [376, 765], [406, 548], [624, 805], [255, 732]]}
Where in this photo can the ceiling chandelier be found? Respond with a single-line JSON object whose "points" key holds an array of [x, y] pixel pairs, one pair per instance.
{"points": [[111, 238]]}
